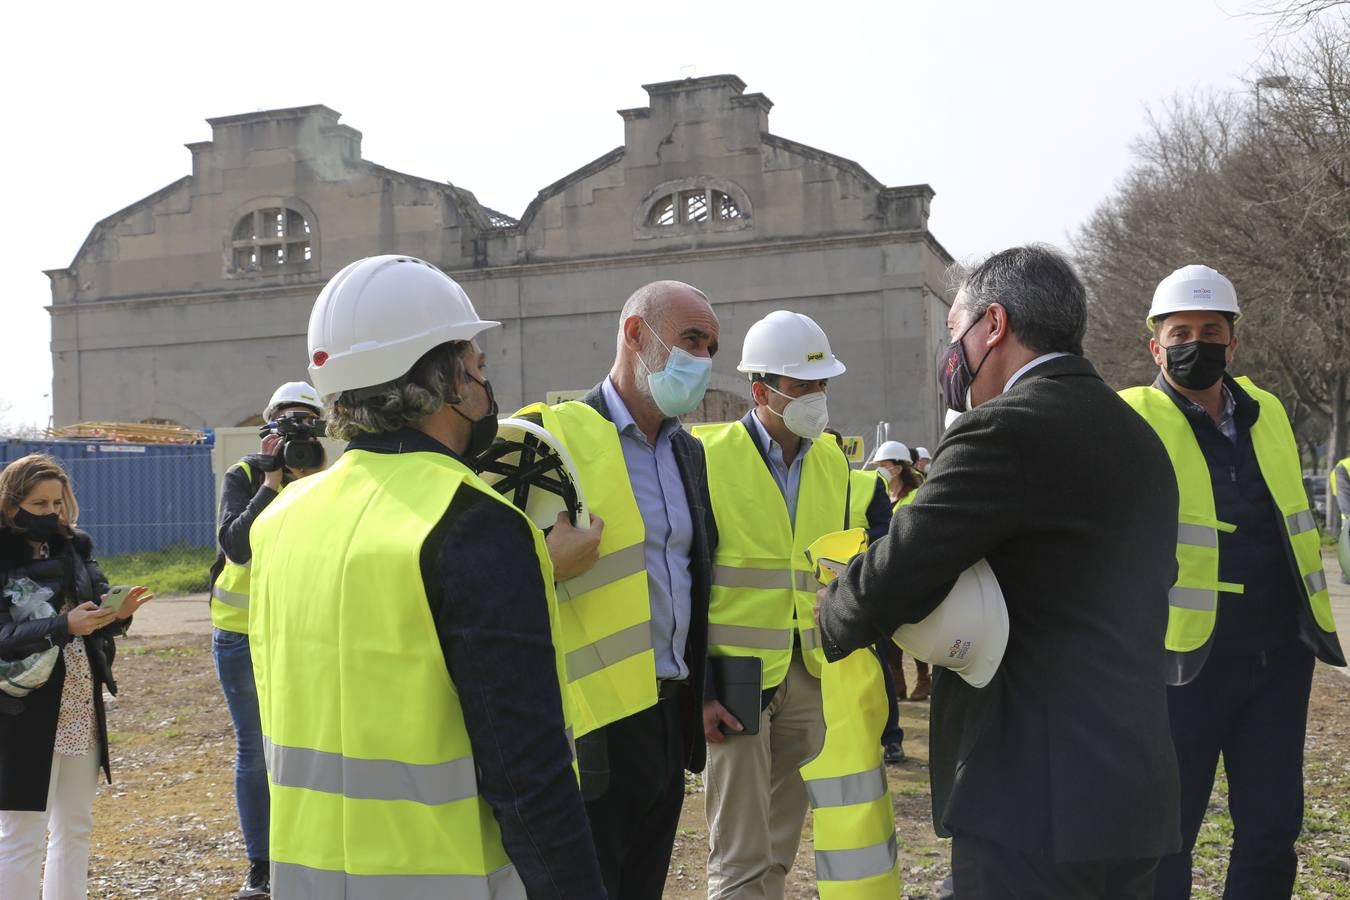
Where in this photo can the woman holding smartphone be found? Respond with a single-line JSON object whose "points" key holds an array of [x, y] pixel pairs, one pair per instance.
{"points": [[54, 739]]}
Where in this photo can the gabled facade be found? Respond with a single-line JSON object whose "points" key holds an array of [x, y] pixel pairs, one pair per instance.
{"points": [[192, 304]]}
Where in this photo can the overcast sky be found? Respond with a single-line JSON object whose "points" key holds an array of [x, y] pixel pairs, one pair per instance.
{"points": [[1019, 114]]}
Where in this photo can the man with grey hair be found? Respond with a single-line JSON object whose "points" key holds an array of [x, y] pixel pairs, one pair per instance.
{"points": [[635, 628], [403, 625], [1057, 778]]}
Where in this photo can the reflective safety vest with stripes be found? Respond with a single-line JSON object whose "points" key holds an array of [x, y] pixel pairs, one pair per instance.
{"points": [[1340, 485], [853, 821], [605, 613], [229, 593], [864, 488], [1194, 599], [374, 791], [762, 585]]}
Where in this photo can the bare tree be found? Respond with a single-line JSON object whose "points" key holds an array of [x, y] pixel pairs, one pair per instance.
{"points": [[1258, 186]]}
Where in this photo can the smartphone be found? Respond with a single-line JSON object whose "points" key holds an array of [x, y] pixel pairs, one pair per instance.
{"points": [[116, 597]]}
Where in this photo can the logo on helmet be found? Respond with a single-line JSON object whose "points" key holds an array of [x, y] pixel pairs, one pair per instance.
{"points": [[320, 357], [814, 357]]}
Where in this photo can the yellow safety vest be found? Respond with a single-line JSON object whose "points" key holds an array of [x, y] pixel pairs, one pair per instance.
{"points": [[374, 791], [229, 593], [1194, 599], [864, 487], [1340, 475], [762, 586], [853, 821], [606, 612]]}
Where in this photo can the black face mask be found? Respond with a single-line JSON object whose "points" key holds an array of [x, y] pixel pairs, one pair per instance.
{"points": [[39, 528], [1197, 365], [954, 374], [482, 431]]}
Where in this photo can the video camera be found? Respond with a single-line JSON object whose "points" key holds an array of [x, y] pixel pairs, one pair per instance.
{"points": [[300, 447]]}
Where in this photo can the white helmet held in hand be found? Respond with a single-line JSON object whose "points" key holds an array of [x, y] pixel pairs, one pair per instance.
{"points": [[531, 468], [293, 393], [968, 631], [1194, 289], [789, 344], [378, 316]]}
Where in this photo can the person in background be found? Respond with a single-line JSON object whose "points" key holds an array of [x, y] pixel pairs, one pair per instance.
{"points": [[248, 487], [54, 740], [1250, 609], [894, 462], [923, 461]]}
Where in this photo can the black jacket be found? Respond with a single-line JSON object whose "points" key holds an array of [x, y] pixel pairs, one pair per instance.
{"points": [[243, 497], [1071, 498], [28, 724], [694, 473]]}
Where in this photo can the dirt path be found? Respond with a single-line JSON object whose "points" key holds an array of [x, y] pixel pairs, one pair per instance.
{"points": [[167, 827]]}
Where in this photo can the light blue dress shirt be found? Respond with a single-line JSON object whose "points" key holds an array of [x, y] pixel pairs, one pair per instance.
{"points": [[669, 528], [787, 477]]}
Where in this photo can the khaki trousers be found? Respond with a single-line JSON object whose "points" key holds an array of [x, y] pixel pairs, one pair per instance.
{"points": [[754, 795]]}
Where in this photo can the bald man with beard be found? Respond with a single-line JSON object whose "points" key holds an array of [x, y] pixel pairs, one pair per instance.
{"points": [[641, 691]]}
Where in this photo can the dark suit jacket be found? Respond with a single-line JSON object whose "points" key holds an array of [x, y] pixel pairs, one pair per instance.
{"points": [[1071, 498], [694, 473]]}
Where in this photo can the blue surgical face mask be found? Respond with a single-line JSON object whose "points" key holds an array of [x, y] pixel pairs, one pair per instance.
{"points": [[680, 385]]}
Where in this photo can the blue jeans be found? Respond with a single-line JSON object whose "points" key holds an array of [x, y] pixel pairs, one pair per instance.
{"points": [[234, 667]]}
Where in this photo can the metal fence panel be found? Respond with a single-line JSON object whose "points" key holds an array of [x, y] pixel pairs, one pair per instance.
{"points": [[135, 497]]}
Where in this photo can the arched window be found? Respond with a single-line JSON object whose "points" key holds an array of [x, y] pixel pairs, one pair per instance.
{"points": [[690, 206], [273, 238], [698, 206]]}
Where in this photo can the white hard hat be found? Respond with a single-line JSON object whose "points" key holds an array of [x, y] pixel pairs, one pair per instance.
{"points": [[790, 344], [968, 631], [532, 469], [924, 454], [293, 393], [378, 316], [1191, 289], [892, 450]]}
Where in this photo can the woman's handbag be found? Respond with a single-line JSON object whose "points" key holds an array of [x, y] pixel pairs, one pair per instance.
{"points": [[28, 601]]}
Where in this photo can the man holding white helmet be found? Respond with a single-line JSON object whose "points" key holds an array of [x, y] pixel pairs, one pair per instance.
{"points": [[1054, 774], [246, 490], [775, 489], [635, 627], [404, 622], [1250, 607]]}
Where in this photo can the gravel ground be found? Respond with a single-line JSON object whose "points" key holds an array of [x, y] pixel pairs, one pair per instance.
{"points": [[167, 827]]}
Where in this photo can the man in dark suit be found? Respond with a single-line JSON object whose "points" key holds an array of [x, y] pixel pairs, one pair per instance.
{"points": [[1058, 778], [645, 476]]}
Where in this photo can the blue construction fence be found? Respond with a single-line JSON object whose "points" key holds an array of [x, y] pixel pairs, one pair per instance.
{"points": [[135, 497]]}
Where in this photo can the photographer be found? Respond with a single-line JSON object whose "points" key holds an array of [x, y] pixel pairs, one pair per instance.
{"points": [[290, 450]]}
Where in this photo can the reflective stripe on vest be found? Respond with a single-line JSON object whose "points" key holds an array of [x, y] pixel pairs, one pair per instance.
{"points": [[763, 586], [369, 798], [605, 612], [370, 779], [1194, 599], [297, 882], [853, 821]]}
